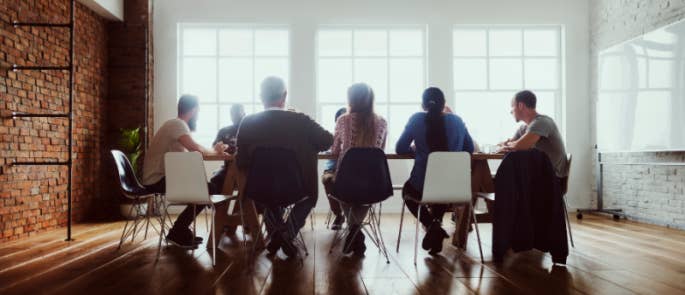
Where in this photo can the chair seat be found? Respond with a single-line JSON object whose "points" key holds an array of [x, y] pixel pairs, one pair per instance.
{"points": [[213, 199], [487, 196]]}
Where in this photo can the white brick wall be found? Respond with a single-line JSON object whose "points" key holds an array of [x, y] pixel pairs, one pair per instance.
{"points": [[654, 194]]}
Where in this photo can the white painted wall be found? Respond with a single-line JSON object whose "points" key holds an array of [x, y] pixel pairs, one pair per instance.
{"points": [[109, 9], [303, 17]]}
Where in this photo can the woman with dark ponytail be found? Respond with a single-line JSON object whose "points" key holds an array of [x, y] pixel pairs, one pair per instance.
{"points": [[430, 131]]}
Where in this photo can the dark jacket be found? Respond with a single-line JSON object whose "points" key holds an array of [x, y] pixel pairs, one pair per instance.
{"points": [[285, 129], [528, 207]]}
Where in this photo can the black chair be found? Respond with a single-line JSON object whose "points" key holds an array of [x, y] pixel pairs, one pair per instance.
{"points": [[275, 184], [363, 179], [137, 193]]}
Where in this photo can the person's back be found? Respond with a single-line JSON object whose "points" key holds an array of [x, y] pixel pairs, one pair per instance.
{"points": [[458, 139], [165, 140], [286, 129], [346, 135]]}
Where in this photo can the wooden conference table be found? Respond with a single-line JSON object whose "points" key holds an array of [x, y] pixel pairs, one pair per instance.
{"points": [[481, 182]]}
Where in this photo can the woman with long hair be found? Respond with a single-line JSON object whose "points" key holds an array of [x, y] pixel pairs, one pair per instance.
{"points": [[360, 127], [432, 130]]}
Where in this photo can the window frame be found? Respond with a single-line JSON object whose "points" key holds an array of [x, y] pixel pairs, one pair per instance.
{"points": [[218, 57]]}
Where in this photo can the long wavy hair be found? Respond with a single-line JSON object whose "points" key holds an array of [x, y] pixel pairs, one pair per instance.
{"points": [[360, 99]]}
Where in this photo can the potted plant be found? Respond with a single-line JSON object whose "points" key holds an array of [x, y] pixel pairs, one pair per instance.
{"points": [[131, 145]]}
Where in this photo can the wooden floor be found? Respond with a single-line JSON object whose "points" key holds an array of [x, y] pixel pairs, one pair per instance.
{"points": [[610, 258]]}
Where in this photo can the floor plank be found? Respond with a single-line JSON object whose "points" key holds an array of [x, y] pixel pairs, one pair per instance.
{"points": [[610, 258]]}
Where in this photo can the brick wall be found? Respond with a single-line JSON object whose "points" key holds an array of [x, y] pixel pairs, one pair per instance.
{"points": [[130, 88], [33, 199], [653, 194]]}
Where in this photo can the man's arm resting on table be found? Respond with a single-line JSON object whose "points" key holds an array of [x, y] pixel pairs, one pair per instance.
{"points": [[193, 146], [526, 142]]}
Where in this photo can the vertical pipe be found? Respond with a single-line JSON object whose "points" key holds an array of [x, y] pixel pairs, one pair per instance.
{"points": [[71, 115]]}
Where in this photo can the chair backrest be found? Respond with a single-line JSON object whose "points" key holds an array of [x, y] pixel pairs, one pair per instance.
{"points": [[448, 178], [363, 177], [274, 177], [128, 182], [185, 177]]}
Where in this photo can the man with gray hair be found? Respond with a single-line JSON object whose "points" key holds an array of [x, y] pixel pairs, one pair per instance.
{"points": [[276, 127]]}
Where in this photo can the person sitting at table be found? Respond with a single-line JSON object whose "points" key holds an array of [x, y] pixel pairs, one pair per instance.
{"points": [[431, 131], [360, 127], [174, 136], [228, 134], [539, 132], [327, 179], [276, 127]]}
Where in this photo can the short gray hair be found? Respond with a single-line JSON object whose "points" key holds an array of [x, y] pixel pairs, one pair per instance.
{"points": [[272, 89]]}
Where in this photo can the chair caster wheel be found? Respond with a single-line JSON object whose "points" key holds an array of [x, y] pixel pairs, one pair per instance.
{"points": [[617, 217], [579, 216]]}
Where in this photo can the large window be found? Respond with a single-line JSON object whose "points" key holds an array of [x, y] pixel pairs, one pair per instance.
{"points": [[390, 59], [224, 64], [492, 63]]}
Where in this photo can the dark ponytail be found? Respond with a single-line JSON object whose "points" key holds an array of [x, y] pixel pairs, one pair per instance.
{"points": [[436, 135]]}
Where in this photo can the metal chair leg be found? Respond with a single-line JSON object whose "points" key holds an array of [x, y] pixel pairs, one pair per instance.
{"points": [[399, 234], [123, 233], [568, 223], [161, 234], [213, 237], [416, 234], [475, 222], [194, 221], [328, 219]]}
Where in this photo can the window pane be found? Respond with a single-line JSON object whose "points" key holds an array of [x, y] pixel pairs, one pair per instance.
{"points": [[234, 42], [335, 43], [406, 79], [542, 73], [373, 71], [198, 41], [266, 67], [327, 119], [469, 43], [199, 78], [334, 76], [235, 80], [406, 43], [546, 103], [486, 115], [661, 73], [506, 73], [470, 73], [271, 42], [541, 42], [398, 118], [370, 43], [207, 124], [505, 43]]}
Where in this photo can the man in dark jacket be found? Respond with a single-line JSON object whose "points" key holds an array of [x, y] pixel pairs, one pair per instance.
{"points": [[277, 127]]}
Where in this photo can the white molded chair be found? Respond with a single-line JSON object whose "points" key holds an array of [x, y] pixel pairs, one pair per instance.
{"points": [[447, 181], [186, 185]]}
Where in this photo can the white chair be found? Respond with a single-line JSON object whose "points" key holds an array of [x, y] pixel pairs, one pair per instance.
{"points": [[186, 185], [447, 181]]}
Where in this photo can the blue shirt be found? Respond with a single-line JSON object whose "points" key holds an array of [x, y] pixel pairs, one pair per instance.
{"points": [[330, 165], [458, 140]]}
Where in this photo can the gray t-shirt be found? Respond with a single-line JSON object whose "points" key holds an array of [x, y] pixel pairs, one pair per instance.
{"points": [[550, 142], [165, 140]]}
